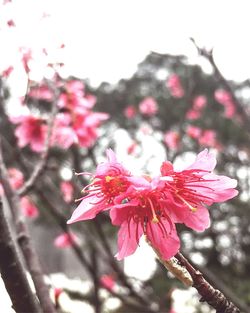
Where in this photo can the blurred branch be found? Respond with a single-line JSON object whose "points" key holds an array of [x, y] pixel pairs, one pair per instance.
{"points": [[12, 271], [24, 241], [239, 107], [44, 157], [208, 293]]}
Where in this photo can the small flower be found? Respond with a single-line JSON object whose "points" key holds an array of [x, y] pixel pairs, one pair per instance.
{"points": [[194, 188], [66, 240], [172, 140], [31, 131], [28, 208], [109, 181], [142, 210], [67, 190], [108, 281], [130, 112], [148, 106], [174, 85], [199, 102]]}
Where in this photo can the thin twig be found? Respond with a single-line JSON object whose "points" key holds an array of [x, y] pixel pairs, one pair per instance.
{"points": [[24, 241]]}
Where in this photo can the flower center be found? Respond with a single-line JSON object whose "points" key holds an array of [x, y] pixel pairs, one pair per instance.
{"points": [[113, 186]]}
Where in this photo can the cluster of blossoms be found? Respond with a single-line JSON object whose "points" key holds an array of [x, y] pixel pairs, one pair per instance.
{"points": [[175, 87], [199, 103], [225, 99], [75, 122], [16, 178], [204, 137], [152, 206]]}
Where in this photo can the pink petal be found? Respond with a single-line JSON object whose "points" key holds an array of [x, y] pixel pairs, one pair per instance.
{"points": [[198, 220], [167, 243], [128, 238], [204, 161], [87, 209]]}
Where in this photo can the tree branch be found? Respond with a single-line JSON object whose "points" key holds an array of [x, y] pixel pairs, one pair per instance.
{"points": [[208, 293], [12, 271], [24, 241]]}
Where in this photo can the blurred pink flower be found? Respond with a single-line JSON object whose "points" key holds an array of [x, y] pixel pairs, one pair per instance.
{"points": [[193, 114], [174, 85], [193, 131], [148, 106], [108, 281], [199, 102], [42, 92], [225, 98], [28, 208], [172, 140], [6, 73], [66, 240], [67, 191], [16, 179], [31, 131], [208, 138], [132, 147], [130, 112]]}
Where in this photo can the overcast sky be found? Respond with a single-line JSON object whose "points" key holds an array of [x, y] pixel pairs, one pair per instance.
{"points": [[105, 40]]}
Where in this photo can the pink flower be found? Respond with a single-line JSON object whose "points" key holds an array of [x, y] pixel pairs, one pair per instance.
{"points": [[28, 208], [195, 187], [225, 98], [109, 181], [193, 131], [172, 139], [63, 134], [67, 191], [208, 138], [16, 179], [174, 85], [41, 92], [85, 126], [142, 210], [30, 131], [6, 73], [148, 106], [130, 112], [193, 114], [107, 281], [199, 102], [26, 58], [66, 240]]}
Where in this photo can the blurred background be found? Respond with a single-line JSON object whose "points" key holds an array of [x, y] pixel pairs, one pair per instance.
{"points": [[157, 80]]}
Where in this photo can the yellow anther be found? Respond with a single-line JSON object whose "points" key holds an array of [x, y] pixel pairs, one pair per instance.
{"points": [[108, 179], [155, 219], [193, 209]]}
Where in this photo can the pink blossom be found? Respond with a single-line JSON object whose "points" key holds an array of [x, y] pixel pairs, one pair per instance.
{"points": [[107, 281], [193, 188], [130, 112], [174, 85], [65, 240], [151, 206], [148, 106], [6, 73], [86, 125], [41, 92], [208, 138], [67, 191], [63, 134], [172, 140], [31, 131], [193, 114], [222, 96], [193, 131], [109, 181], [26, 58], [16, 179], [141, 210], [199, 102], [28, 208]]}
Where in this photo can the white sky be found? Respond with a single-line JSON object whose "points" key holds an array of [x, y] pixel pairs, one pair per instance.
{"points": [[105, 40]]}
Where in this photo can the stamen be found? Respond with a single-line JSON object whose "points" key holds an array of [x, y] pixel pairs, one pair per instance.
{"points": [[193, 209], [155, 218]]}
